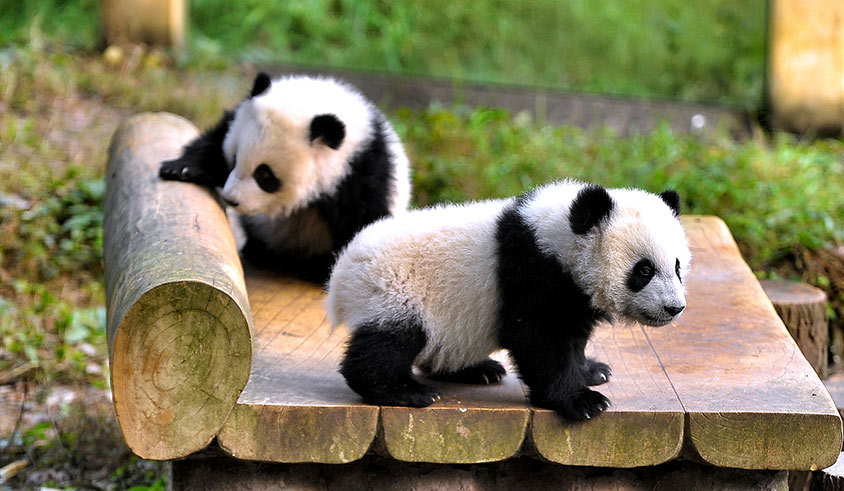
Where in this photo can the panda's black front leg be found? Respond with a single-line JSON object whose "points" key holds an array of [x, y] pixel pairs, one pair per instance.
{"points": [[557, 380], [595, 372], [202, 160]]}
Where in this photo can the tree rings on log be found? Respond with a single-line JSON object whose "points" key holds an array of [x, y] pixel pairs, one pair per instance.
{"points": [[179, 323]]}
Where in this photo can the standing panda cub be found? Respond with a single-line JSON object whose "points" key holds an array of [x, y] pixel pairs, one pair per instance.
{"points": [[444, 287], [304, 163]]}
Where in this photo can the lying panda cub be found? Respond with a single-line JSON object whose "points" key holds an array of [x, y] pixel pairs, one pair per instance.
{"points": [[444, 287], [305, 163]]}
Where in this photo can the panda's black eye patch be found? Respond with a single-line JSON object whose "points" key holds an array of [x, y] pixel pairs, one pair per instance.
{"points": [[266, 179], [640, 275], [677, 270]]}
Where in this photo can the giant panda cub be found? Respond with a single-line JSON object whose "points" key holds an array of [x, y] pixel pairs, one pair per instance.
{"points": [[304, 163], [444, 287]]}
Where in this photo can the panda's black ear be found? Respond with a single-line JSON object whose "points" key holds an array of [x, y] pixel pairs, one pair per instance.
{"points": [[592, 204], [672, 199], [261, 84], [331, 130]]}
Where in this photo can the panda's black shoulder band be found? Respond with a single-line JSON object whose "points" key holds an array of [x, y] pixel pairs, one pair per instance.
{"points": [[592, 204]]}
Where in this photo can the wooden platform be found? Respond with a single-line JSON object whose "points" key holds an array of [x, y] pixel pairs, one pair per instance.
{"points": [[726, 384]]}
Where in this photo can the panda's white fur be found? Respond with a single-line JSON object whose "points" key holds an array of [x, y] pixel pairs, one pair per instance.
{"points": [[440, 270], [438, 264], [304, 163]]}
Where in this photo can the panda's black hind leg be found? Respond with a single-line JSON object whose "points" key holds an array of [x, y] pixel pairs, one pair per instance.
{"points": [[488, 371], [378, 365], [596, 373]]}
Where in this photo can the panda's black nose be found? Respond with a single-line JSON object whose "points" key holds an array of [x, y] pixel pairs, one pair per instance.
{"points": [[674, 310]]}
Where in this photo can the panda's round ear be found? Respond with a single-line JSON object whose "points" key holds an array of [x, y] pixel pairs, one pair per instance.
{"points": [[261, 84], [329, 129], [672, 199], [592, 204]]}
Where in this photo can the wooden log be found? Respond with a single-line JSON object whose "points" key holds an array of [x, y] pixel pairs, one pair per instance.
{"points": [[802, 308], [805, 65], [179, 324], [159, 22]]}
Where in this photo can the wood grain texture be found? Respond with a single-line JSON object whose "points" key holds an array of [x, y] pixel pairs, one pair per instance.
{"points": [[470, 424], [644, 424], [802, 308], [178, 318], [296, 406], [752, 400]]}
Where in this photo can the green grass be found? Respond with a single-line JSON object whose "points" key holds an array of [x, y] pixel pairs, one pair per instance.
{"points": [[706, 51]]}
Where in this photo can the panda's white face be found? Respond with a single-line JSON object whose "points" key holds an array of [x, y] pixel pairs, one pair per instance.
{"points": [[646, 260], [624, 247], [290, 143], [273, 161]]}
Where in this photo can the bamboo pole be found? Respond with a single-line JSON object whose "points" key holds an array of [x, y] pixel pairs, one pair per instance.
{"points": [[179, 324]]}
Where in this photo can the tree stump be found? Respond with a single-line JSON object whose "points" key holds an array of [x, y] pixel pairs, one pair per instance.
{"points": [[802, 308], [179, 323]]}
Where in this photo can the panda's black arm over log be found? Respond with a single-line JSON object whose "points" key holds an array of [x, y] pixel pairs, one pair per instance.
{"points": [[202, 160]]}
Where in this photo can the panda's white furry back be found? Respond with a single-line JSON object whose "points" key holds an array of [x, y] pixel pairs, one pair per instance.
{"points": [[304, 163], [442, 288]]}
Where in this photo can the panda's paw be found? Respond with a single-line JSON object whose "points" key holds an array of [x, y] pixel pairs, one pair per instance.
{"points": [[179, 170], [596, 373], [488, 371], [584, 404], [418, 395]]}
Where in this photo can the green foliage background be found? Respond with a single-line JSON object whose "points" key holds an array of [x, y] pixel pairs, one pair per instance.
{"points": [[712, 50]]}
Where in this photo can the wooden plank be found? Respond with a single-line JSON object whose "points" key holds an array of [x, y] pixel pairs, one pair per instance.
{"points": [[752, 400], [469, 424], [296, 407], [178, 318], [644, 425]]}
